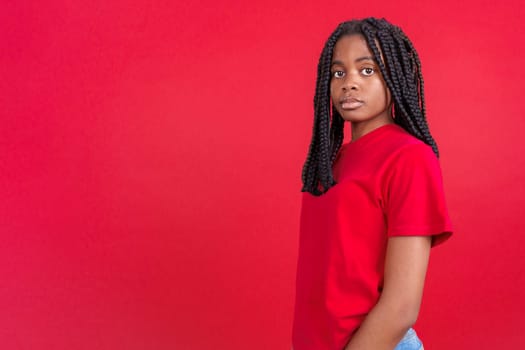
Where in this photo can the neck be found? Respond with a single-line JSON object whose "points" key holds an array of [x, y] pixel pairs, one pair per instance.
{"points": [[361, 129]]}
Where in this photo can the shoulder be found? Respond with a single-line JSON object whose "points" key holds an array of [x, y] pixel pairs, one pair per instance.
{"points": [[406, 149], [400, 138], [397, 142], [411, 163], [416, 152]]}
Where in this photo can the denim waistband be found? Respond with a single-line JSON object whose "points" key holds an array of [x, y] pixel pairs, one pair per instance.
{"points": [[410, 341]]}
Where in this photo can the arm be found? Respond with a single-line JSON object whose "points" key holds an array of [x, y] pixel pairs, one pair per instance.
{"points": [[397, 309]]}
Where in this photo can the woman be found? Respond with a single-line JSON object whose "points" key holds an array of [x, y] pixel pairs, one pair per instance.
{"points": [[371, 208]]}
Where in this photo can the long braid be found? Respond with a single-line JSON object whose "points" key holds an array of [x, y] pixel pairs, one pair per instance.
{"points": [[317, 168], [336, 133], [400, 66], [409, 99], [391, 76]]}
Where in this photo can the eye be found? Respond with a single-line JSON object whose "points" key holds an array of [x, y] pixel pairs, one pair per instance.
{"points": [[367, 71], [338, 74]]}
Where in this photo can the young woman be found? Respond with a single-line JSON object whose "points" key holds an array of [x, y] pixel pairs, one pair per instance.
{"points": [[372, 208]]}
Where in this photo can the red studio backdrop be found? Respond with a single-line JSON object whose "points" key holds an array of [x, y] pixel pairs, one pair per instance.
{"points": [[150, 165]]}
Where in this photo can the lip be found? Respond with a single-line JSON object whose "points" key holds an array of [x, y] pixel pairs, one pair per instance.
{"points": [[350, 103]]}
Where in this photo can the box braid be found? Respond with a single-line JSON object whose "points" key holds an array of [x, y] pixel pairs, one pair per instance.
{"points": [[399, 64]]}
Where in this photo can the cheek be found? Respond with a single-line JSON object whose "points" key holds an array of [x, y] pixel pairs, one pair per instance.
{"points": [[386, 91], [382, 91], [333, 90], [388, 96]]}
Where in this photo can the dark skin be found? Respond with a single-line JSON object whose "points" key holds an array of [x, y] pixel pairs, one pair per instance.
{"points": [[360, 95], [357, 88]]}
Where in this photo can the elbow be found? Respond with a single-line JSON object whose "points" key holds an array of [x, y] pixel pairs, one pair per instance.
{"points": [[407, 315], [409, 319], [403, 313], [395, 316]]}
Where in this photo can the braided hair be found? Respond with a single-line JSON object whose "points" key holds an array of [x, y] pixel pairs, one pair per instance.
{"points": [[399, 64]]}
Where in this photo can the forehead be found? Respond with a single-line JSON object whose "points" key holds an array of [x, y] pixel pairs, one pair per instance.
{"points": [[350, 46]]}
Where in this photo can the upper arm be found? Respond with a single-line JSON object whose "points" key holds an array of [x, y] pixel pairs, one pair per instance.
{"points": [[404, 276], [414, 196]]}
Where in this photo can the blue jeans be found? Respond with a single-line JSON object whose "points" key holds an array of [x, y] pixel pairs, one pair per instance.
{"points": [[410, 341]]}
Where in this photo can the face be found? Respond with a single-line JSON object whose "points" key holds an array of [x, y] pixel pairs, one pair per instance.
{"points": [[357, 88]]}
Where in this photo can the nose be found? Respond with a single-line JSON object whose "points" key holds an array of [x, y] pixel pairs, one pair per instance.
{"points": [[350, 83]]}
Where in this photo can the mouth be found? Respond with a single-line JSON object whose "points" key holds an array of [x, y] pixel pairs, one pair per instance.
{"points": [[350, 103]]}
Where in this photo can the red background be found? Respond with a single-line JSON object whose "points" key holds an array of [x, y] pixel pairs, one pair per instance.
{"points": [[151, 159]]}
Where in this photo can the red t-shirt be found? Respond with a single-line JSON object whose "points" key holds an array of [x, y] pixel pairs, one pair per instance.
{"points": [[388, 184]]}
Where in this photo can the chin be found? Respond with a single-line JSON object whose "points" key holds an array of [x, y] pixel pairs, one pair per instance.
{"points": [[353, 118]]}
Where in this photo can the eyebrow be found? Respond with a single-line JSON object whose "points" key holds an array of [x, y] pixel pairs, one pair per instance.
{"points": [[364, 58]]}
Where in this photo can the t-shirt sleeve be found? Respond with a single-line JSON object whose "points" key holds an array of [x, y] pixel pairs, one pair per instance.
{"points": [[414, 201]]}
